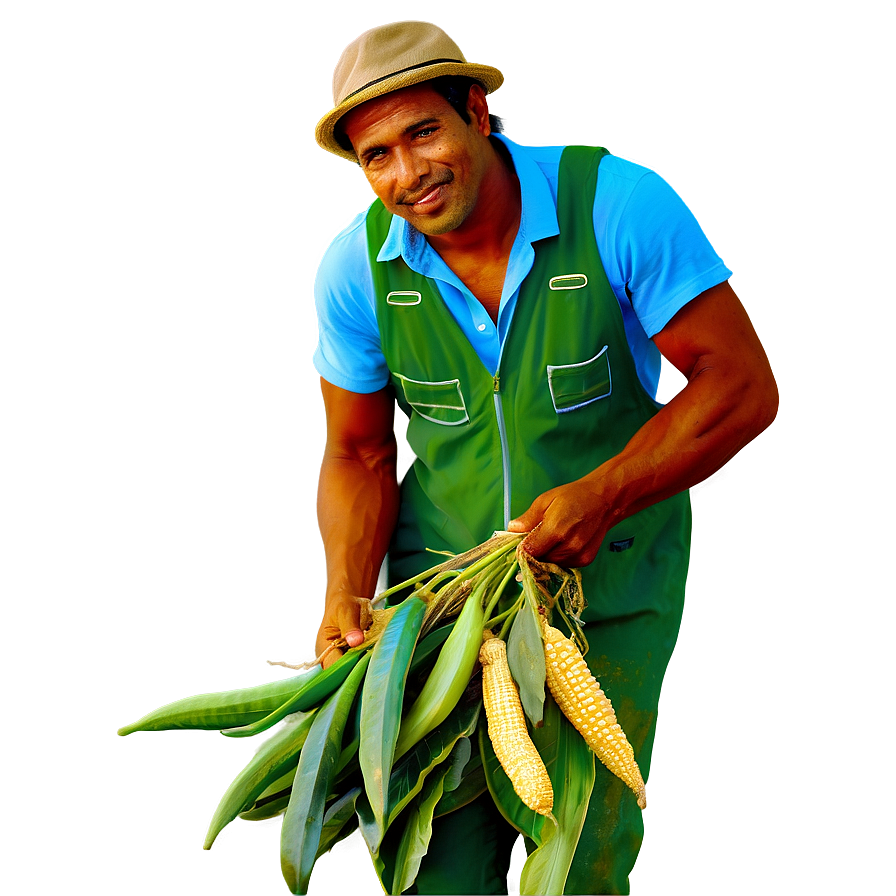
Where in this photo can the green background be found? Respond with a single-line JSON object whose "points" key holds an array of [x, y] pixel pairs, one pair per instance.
{"points": [[162, 210]]}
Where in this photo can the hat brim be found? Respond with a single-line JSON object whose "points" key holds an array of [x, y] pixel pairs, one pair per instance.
{"points": [[325, 132]]}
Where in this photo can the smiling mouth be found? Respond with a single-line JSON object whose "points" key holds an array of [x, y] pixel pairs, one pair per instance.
{"points": [[428, 196]]}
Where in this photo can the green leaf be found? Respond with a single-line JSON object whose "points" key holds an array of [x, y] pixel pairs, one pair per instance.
{"points": [[382, 699], [348, 767], [460, 756], [471, 786], [303, 822], [418, 827], [223, 709], [264, 807], [270, 807], [570, 764], [274, 757], [339, 820], [525, 656], [449, 677], [369, 829], [310, 695], [385, 859], [409, 774], [279, 785], [407, 837], [429, 645]]}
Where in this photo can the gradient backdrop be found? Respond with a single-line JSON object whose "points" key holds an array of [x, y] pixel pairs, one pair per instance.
{"points": [[163, 207]]}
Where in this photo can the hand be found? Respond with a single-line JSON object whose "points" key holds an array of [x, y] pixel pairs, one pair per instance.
{"points": [[342, 621], [566, 525]]}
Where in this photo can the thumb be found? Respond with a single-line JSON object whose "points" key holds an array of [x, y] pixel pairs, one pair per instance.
{"points": [[525, 523], [349, 618]]}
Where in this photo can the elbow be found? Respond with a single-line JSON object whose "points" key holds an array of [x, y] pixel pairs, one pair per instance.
{"points": [[381, 458], [375, 456], [770, 401], [771, 409], [763, 404]]}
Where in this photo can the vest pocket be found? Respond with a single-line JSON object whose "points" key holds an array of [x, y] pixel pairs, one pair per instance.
{"points": [[575, 385], [439, 402]]}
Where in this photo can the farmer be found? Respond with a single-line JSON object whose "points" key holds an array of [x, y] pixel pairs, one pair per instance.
{"points": [[514, 302]]}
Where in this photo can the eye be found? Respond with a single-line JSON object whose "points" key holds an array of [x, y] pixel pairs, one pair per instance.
{"points": [[374, 155], [425, 132]]}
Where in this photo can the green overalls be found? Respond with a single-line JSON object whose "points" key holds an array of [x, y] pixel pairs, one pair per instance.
{"points": [[566, 397]]}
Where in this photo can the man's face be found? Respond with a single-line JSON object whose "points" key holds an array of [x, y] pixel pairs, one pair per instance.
{"points": [[422, 160]]}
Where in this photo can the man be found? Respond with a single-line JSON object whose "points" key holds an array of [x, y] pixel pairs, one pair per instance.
{"points": [[514, 302]]}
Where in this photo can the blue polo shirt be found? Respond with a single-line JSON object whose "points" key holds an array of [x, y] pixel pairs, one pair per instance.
{"points": [[654, 253]]}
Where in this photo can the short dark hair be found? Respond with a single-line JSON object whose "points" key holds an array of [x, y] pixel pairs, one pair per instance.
{"points": [[456, 90]]}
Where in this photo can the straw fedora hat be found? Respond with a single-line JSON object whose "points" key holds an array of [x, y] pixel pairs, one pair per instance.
{"points": [[388, 58]]}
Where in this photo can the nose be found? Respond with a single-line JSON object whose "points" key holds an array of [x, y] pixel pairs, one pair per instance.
{"points": [[410, 169]]}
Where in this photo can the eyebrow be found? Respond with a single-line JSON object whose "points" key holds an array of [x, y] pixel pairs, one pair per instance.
{"points": [[420, 124], [416, 126]]}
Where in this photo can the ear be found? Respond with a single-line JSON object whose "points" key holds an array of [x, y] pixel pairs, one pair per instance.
{"points": [[477, 107]]}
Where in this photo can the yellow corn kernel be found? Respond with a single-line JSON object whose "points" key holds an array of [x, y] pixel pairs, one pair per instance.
{"points": [[583, 702], [507, 730]]}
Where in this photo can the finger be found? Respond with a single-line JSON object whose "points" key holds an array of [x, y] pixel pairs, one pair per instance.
{"points": [[329, 657], [324, 645], [575, 551], [540, 541]]}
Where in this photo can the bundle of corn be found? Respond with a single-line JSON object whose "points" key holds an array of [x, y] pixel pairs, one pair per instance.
{"points": [[383, 739]]}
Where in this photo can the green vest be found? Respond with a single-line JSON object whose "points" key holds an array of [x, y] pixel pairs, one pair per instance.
{"points": [[566, 398]]}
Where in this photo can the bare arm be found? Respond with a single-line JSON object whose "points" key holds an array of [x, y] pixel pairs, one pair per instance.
{"points": [[730, 397], [357, 504]]}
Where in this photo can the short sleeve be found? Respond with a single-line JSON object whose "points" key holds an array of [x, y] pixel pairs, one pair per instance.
{"points": [[659, 255], [349, 354]]}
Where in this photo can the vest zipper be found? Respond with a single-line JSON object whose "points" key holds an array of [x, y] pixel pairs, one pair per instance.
{"points": [[505, 453]]}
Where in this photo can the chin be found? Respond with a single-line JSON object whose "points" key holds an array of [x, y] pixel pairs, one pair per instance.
{"points": [[436, 225], [436, 228]]}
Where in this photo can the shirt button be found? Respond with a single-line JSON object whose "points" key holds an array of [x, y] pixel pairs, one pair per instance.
{"points": [[481, 328]]}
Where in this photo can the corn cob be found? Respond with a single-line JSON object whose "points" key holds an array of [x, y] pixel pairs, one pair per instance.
{"points": [[507, 730], [583, 702]]}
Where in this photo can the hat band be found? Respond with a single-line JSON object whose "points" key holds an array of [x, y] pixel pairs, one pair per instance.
{"points": [[401, 71]]}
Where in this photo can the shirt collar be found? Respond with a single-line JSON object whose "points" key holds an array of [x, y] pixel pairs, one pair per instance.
{"points": [[538, 220]]}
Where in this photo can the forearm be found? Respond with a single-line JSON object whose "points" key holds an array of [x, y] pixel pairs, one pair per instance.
{"points": [[357, 504], [357, 507]]}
